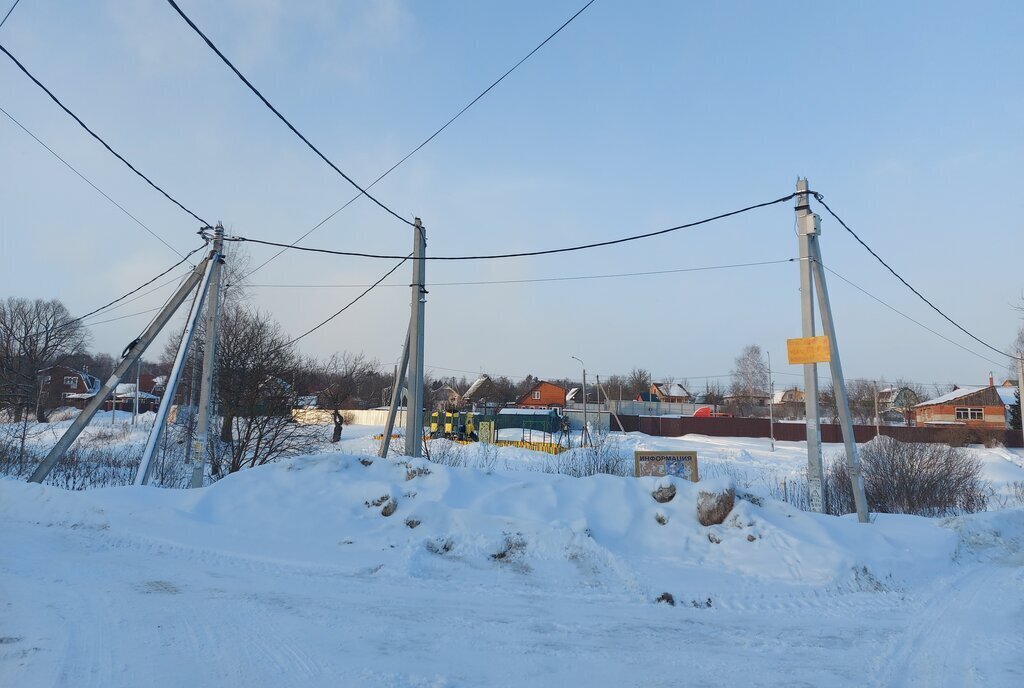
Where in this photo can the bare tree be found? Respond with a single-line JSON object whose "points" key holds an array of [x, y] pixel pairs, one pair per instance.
{"points": [[1017, 346], [638, 381], [34, 334], [345, 377], [256, 368]]}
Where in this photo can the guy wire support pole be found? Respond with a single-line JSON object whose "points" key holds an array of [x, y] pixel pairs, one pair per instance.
{"points": [[838, 381], [414, 412], [611, 409], [806, 227], [209, 358], [396, 397], [132, 354], [146, 465]]}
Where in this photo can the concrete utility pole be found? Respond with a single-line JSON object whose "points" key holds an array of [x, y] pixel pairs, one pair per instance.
{"points": [[414, 412], [585, 435], [1020, 385], [611, 409], [771, 401], [209, 358], [396, 398], [146, 465], [807, 226], [138, 375], [839, 383], [133, 353], [878, 419]]}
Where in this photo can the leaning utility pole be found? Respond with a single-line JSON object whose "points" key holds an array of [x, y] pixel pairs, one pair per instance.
{"points": [[396, 398], [414, 412], [132, 353], [839, 385], [146, 464], [807, 226], [611, 409], [209, 359]]}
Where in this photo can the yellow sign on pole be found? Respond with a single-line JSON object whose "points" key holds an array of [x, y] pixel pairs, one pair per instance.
{"points": [[808, 350]]}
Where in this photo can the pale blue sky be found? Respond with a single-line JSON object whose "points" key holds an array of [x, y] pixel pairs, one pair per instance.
{"points": [[640, 115]]}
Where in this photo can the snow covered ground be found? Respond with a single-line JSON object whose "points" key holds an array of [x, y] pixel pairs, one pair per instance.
{"points": [[499, 574]]}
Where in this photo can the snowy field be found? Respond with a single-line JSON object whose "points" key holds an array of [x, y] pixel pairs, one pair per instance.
{"points": [[487, 568]]}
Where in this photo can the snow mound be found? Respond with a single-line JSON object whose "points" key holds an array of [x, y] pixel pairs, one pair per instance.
{"points": [[415, 519]]}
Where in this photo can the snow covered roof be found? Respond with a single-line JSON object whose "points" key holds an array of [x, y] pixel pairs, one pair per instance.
{"points": [[571, 394], [779, 396], [475, 387], [524, 412], [131, 395], [673, 390], [1006, 394]]}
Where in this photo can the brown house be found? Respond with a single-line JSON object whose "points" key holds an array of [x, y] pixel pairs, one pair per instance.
{"points": [[543, 395], [63, 386], [975, 407]]}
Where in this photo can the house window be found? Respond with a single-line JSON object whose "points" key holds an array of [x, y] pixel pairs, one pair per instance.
{"points": [[970, 414], [536, 395], [70, 381]]}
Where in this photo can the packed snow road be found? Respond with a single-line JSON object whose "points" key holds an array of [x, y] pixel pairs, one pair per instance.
{"points": [[290, 575]]}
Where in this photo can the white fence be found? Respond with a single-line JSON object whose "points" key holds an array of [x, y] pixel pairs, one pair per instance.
{"points": [[356, 417], [642, 408]]}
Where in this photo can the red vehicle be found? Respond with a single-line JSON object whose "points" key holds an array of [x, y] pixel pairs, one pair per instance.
{"points": [[706, 412]]}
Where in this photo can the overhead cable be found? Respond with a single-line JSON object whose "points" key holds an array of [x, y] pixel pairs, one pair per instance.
{"points": [[523, 254], [347, 305], [818, 197], [97, 136], [87, 181], [281, 117], [4, 20], [904, 315], [537, 279], [429, 138], [123, 296]]}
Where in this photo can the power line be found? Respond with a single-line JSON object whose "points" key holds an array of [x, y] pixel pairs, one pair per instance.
{"points": [[97, 137], [87, 181], [281, 117], [431, 137], [4, 20], [174, 280], [122, 297], [535, 280], [123, 317], [818, 197], [347, 305], [543, 252], [901, 313]]}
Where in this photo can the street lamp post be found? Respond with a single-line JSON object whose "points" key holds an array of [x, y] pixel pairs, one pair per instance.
{"points": [[586, 434]]}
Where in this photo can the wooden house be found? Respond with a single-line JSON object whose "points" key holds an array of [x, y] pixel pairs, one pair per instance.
{"points": [[543, 395]]}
